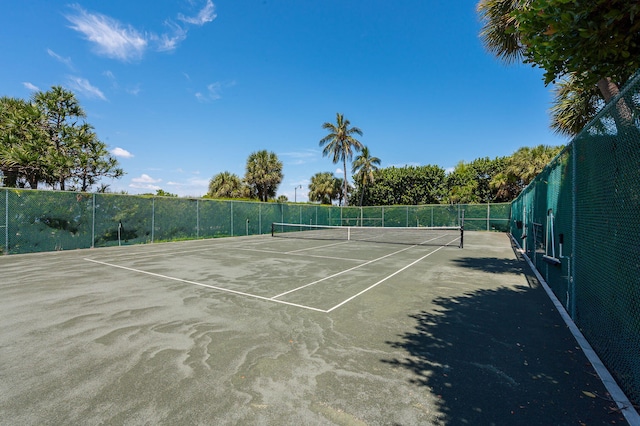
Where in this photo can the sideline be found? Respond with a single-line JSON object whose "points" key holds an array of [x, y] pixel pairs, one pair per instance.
{"points": [[618, 396]]}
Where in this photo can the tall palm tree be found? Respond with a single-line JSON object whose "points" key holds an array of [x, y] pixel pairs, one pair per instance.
{"points": [[341, 144], [263, 174], [226, 185], [364, 167], [321, 187]]}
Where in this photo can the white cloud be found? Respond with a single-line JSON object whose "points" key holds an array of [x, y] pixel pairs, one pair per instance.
{"points": [[134, 90], [191, 187], [30, 86], [66, 61], [206, 14], [123, 153], [301, 157], [168, 42], [116, 40], [145, 178], [112, 39], [83, 86], [213, 92]]}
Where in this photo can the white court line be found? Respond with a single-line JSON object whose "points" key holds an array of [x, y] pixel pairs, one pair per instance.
{"points": [[225, 290], [313, 248], [343, 272], [301, 254], [383, 280]]}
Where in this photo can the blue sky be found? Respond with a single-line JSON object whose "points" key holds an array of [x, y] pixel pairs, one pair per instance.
{"points": [[181, 90]]}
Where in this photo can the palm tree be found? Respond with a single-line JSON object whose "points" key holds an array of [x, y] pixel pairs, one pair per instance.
{"points": [[341, 144], [499, 32], [226, 185], [263, 174], [364, 167], [322, 188], [574, 107]]}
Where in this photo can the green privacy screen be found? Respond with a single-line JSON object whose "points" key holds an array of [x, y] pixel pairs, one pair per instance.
{"points": [[35, 221], [579, 222]]}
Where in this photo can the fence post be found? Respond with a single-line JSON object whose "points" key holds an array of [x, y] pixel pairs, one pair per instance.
{"points": [[153, 217], [488, 216], [93, 222], [197, 218], [572, 257], [6, 220], [231, 202]]}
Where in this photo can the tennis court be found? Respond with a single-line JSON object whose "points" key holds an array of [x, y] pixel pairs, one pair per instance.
{"points": [[263, 330]]}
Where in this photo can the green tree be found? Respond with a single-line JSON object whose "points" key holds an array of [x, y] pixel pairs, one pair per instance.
{"points": [[596, 41], [340, 144], [471, 182], [90, 159], [62, 111], [24, 149], [364, 167], [227, 185], [323, 188], [521, 167], [163, 193], [47, 141], [408, 185], [263, 174], [580, 44]]}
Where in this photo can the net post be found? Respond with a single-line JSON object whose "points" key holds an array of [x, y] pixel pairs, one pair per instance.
{"points": [[462, 229], [273, 229]]}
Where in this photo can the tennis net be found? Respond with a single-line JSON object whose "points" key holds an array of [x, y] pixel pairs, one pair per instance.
{"points": [[428, 236]]}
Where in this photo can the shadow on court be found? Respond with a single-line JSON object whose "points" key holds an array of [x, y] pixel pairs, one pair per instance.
{"points": [[503, 356]]}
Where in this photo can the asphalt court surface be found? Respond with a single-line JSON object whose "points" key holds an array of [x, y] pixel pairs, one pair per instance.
{"points": [[312, 274], [262, 330]]}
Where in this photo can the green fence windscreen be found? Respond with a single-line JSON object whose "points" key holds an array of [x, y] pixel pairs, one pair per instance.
{"points": [[36, 221], [579, 222]]}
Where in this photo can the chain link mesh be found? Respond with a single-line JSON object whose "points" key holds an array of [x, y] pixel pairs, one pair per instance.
{"points": [[36, 221], [579, 222]]}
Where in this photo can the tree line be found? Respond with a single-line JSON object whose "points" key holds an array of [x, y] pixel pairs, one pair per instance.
{"points": [[46, 140], [483, 180]]}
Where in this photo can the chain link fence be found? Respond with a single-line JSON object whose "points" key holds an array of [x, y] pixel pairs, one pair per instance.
{"points": [[36, 221], [579, 223]]}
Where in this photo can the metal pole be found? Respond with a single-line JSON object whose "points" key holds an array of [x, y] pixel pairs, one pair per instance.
{"points": [[93, 222], [197, 218], [260, 219], [153, 217], [488, 216], [572, 260], [6, 220], [231, 202]]}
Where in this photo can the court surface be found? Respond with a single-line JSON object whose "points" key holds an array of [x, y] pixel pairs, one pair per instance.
{"points": [[262, 330]]}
